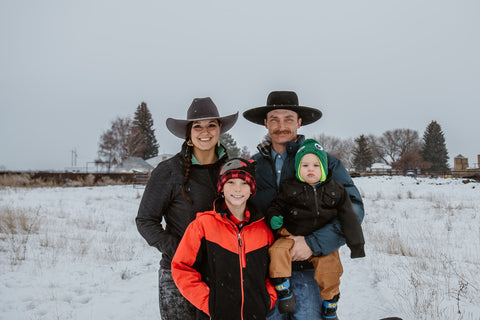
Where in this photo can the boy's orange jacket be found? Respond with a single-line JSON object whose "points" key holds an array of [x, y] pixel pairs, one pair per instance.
{"points": [[223, 271]]}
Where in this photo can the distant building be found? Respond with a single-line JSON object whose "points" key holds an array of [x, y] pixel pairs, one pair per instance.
{"points": [[134, 164], [156, 160], [462, 169], [381, 168], [460, 163]]}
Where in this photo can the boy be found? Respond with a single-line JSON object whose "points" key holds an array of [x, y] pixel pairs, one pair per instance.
{"points": [[303, 205], [221, 264]]}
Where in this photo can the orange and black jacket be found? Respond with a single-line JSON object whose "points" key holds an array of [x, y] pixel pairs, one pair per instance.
{"points": [[223, 271]]}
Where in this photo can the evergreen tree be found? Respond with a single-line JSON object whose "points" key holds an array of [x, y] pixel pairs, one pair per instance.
{"points": [[143, 120], [230, 144], [362, 154], [244, 153], [434, 149]]}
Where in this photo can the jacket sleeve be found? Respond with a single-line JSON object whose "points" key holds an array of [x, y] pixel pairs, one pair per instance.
{"points": [[152, 209], [329, 238], [272, 292], [351, 227], [186, 277], [270, 288]]}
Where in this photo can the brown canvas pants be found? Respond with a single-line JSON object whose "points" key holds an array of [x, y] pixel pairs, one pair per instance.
{"points": [[328, 269]]}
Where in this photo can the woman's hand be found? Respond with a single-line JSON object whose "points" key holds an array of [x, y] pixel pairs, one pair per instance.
{"points": [[300, 251]]}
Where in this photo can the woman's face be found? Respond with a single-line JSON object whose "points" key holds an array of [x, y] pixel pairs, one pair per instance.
{"points": [[205, 134]]}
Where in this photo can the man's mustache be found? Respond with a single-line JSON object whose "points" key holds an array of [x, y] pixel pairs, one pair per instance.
{"points": [[282, 131]]}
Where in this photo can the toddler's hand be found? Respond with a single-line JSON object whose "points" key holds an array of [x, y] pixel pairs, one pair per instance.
{"points": [[276, 222]]}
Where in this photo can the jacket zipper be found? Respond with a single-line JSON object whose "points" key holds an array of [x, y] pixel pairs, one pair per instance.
{"points": [[242, 258], [242, 262], [316, 200]]}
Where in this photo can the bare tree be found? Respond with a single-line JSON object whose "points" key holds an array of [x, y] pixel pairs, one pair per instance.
{"points": [[393, 144], [411, 160], [121, 141], [340, 148], [332, 145]]}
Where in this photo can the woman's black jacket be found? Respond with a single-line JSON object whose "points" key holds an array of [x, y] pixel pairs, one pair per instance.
{"points": [[164, 212]]}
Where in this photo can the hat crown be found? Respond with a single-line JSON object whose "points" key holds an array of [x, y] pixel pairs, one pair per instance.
{"points": [[282, 98], [239, 164], [202, 108], [238, 168]]}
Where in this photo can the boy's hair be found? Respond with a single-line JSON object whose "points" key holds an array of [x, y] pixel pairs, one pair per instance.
{"points": [[311, 146], [238, 168]]}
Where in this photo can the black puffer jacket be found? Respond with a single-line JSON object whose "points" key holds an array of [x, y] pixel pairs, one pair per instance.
{"points": [[163, 200], [305, 209]]}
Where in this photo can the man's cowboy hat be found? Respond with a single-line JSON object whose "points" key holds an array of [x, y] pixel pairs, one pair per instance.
{"points": [[200, 109], [282, 100]]}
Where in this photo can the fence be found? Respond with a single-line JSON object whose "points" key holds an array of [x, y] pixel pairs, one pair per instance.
{"points": [[140, 179], [67, 178]]}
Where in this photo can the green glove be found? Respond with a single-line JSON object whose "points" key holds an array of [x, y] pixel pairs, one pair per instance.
{"points": [[276, 222]]}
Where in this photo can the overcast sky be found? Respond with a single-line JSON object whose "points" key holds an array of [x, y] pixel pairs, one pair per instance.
{"points": [[68, 68]]}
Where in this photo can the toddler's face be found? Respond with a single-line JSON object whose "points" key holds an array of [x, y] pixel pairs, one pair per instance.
{"points": [[310, 169]]}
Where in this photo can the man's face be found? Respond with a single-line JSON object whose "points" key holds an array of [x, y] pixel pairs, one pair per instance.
{"points": [[282, 125]]}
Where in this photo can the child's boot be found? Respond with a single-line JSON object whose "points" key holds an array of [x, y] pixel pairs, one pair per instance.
{"points": [[286, 298], [329, 308]]}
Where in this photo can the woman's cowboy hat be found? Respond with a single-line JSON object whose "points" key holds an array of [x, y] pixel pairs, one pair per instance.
{"points": [[282, 100], [200, 109]]}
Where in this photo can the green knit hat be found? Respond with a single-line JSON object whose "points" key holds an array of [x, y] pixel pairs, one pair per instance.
{"points": [[312, 146]]}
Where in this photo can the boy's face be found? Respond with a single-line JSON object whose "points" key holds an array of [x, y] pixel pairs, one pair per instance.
{"points": [[236, 192], [310, 169]]}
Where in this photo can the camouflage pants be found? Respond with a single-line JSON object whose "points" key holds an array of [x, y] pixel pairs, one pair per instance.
{"points": [[173, 306]]}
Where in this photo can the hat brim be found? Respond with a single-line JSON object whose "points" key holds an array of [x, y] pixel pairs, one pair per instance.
{"points": [[179, 127], [259, 114]]}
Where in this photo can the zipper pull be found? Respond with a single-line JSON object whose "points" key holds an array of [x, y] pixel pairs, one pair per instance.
{"points": [[239, 239]]}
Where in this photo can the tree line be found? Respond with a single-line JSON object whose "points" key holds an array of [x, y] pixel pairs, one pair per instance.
{"points": [[402, 149]]}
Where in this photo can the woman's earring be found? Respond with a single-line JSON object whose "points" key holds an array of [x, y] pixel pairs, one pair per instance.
{"points": [[189, 142], [218, 143]]}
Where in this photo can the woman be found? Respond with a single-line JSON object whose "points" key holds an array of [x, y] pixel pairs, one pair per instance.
{"points": [[179, 188]]}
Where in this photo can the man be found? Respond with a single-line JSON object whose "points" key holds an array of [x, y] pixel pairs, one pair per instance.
{"points": [[282, 116]]}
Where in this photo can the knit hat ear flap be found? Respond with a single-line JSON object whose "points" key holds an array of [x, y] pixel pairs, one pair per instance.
{"points": [[312, 146]]}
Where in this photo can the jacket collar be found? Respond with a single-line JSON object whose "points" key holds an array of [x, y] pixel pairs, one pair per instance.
{"points": [[220, 150], [218, 208], [265, 146]]}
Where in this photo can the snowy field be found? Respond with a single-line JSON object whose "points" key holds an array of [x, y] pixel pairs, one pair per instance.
{"points": [[75, 253]]}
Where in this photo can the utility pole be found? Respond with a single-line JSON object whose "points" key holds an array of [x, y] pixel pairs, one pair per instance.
{"points": [[74, 157]]}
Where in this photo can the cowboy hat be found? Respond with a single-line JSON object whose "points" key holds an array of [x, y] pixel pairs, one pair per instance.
{"points": [[282, 100], [200, 109]]}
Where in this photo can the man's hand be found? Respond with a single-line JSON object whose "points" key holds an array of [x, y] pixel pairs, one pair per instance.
{"points": [[300, 251]]}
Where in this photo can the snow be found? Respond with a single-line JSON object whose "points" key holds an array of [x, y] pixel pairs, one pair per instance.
{"points": [[75, 253]]}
